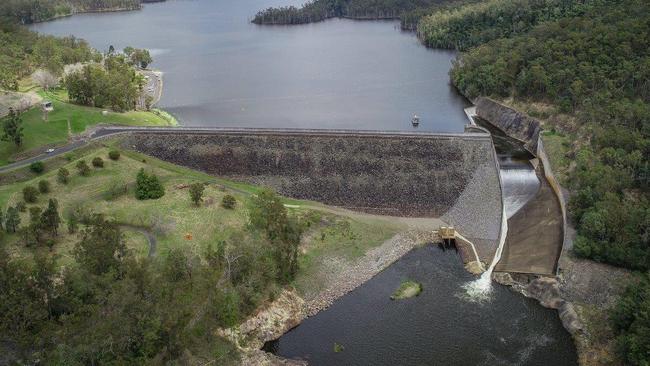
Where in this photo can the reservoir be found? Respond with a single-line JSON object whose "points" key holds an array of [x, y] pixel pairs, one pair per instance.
{"points": [[221, 70]]}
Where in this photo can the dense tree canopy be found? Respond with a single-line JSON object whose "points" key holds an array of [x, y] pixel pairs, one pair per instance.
{"points": [[318, 10], [31, 11], [463, 27], [114, 84], [23, 51], [596, 67]]}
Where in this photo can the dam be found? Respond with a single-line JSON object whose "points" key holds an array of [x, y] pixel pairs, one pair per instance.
{"points": [[415, 174]]}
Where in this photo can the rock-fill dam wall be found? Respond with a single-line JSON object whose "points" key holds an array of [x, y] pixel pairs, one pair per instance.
{"points": [[403, 174]]}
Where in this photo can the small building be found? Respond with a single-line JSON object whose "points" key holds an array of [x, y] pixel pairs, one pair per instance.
{"points": [[47, 106]]}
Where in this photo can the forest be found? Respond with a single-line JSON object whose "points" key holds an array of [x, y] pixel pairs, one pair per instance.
{"points": [[114, 84], [41, 10], [33, 11], [317, 10], [22, 52], [589, 61], [595, 67], [101, 303], [464, 27]]}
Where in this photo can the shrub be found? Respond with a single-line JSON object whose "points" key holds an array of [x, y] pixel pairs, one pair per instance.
{"points": [[116, 188], [62, 176], [148, 186], [196, 193], [98, 162], [44, 186], [30, 194], [228, 201], [21, 207], [83, 168], [73, 223], [114, 155], [37, 167]]}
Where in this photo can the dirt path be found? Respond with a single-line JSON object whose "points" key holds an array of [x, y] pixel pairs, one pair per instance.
{"points": [[151, 239]]}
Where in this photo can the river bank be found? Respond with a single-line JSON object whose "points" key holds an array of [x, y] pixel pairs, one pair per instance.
{"points": [[341, 277], [95, 11]]}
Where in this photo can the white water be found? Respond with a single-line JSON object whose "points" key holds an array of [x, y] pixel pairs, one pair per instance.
{"points": [[480, 290], [520, 185]]}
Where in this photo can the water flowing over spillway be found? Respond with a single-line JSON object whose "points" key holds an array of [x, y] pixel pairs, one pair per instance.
{"points": [[520, 184]]}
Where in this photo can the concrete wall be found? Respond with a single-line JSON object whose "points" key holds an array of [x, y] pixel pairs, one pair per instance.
{"points": [[527, 129], [514, 123]]}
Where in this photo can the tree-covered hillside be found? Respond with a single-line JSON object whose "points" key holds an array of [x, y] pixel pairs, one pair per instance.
{"points": [[31, 11], [587, 64], [23, 51], [317, 10], [463, 27], [595, 67]]}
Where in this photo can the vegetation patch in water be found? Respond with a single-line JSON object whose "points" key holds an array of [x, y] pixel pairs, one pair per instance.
{"points": [[407, 289], [338, 347]]}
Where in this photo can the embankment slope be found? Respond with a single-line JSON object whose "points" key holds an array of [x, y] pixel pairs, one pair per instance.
{"points": [[425, 175]]}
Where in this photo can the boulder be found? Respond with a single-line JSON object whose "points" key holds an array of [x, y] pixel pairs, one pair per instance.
{"points": [[503, 278]]}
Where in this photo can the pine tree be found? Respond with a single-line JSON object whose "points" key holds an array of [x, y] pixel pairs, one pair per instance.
{"points": [[196, 193], [12, 222], [50, 218], [13, 130], [148, 186]]}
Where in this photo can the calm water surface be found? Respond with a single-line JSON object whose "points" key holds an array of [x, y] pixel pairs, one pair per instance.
{"points": [[220, 70], [439, 327]]}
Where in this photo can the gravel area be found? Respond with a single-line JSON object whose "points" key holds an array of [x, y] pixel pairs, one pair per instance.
{"points": [[343, 277]]}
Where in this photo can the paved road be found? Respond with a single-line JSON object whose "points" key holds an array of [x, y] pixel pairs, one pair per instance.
{"points": [[152, 88], [104, 132]]}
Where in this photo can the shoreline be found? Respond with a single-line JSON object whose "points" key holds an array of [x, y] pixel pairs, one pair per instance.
{"points": [[290, 309], [108, 10]]}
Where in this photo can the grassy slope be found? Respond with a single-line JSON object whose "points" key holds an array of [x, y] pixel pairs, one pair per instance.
{"points": [[38, 133], [172, 217]]}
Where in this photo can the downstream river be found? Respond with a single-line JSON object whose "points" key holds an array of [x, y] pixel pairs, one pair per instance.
{"points": [[221, 70], [441, 326]]}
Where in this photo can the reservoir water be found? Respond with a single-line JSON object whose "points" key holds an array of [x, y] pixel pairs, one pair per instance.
{"points": [[221, 70]]}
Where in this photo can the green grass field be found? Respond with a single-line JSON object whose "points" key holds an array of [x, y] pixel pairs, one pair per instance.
{"points": [[55, 131], [177, 223]]}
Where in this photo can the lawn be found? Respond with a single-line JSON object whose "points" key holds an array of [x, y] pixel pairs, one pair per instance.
{"points": [[39, 133], [176, 222]]}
